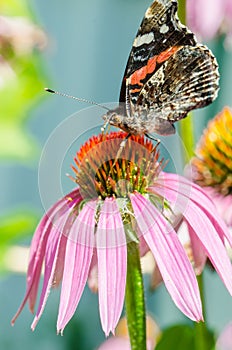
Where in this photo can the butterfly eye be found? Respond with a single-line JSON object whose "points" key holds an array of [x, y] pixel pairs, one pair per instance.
{"points": [[115, 118]]}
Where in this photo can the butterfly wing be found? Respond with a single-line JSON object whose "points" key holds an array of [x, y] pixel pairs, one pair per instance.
{"points": [[168, 73], [159, 32], [186, 81]]}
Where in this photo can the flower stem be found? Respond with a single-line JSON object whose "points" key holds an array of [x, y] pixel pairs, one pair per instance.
{"points": [[187, 134], [182, 10], [135, 303], [186, 125], [201, 339]]}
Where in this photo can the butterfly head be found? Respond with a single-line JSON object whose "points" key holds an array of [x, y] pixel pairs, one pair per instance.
{"points": [[116, 118]]}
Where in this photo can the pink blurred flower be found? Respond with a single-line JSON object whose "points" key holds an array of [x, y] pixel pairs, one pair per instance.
{"points": [[208, 18], [116, 343], [121, 340], [120, 343], [21, 34], [224, 341], [126, 199]]}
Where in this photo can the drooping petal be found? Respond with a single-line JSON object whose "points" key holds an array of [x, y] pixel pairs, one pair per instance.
{"points": [[200, 220], [55, 212], [191, 191], [175, 268], [93, 279], [59, 268], [213, 245], [39, 241], [199, 254], [93, 273], [112, 264], [79, 251], [222, 203], [55, 243], [38, 247], [156, 277]]}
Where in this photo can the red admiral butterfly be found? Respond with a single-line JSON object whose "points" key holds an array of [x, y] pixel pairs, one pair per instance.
{"points": [[167, 75]]}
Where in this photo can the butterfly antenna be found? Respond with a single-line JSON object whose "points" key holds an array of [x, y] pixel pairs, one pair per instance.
{"points": [[76, 98]]}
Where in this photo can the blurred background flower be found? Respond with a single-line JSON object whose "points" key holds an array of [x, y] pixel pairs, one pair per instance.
{"points": [[210, 18], [211, 168], [224, 341], [121, 339]]}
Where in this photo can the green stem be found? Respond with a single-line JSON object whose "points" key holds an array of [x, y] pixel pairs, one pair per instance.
{"points": [[186, 125], [187, 135], [201, 332], [182, 10], [200, 281], [135, 303]]}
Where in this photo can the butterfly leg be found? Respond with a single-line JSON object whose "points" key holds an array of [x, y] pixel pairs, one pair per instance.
{"points": [[153, 139]]}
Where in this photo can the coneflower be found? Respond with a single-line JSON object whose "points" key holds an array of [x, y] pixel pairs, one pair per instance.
{"points": [[120, 200]]}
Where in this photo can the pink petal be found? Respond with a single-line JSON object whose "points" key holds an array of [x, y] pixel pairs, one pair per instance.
{"points": [[93, 279], [56, 211], [59, 268], [112, 264], [35, 265], [40, 237], [199, 217], [175, 268], [38, 247], [222, 203], [156, 278], [198, 250], [184, 187], [55, 241], [79, 251], [93, 273]]}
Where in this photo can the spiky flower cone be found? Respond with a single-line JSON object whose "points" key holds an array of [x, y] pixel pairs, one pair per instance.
{"points": [[212, 165]]}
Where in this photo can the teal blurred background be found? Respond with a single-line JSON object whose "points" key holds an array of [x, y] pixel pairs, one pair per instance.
{"points": [[85, 54]]}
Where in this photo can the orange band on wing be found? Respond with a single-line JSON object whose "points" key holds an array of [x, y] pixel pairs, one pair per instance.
{"points": [[133, 91], [163, 56], [140, 74]]}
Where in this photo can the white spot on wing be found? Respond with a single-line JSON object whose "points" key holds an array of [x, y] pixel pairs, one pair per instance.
{"points": [[164, 29], [143, 39]]}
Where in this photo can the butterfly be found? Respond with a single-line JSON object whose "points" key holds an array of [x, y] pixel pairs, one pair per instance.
{"points": [[168, 74]]}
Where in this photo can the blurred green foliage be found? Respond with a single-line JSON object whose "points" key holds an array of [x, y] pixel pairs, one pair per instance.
{"points": [[183, 337], [15, 226], [19, 90], [22, 77]]}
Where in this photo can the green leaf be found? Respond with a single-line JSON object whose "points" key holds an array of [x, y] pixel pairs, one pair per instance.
{"points": [[16, 226], [15, 143], [183, 337], [13, 228]]}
